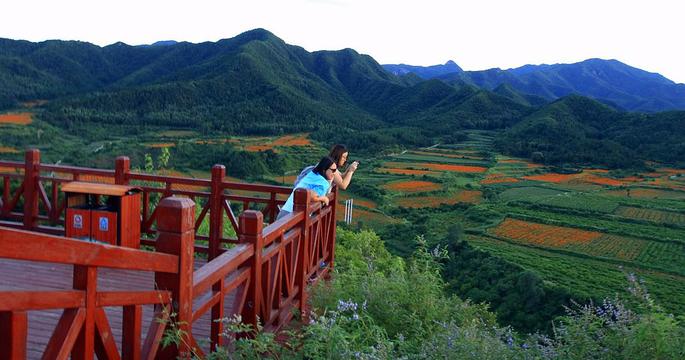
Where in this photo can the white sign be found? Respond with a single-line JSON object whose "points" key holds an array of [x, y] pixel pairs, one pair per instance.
{"points": [[78, 221]]}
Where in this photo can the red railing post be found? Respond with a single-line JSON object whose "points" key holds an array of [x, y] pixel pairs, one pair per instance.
{"points": [[176, 235], [216, 219], [331, 235], [14, 333], [251, 226], [31, 174], [132, 319], [122, 166], [301, 203], [85, 278]]}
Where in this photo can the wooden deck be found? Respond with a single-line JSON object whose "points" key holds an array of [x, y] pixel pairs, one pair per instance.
{"points": [[29, 275]]}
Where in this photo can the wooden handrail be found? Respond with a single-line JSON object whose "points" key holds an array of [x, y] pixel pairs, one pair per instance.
{"points": [[32, 246], [76, 170], [41, 300], [165, 179], [220, 267]]}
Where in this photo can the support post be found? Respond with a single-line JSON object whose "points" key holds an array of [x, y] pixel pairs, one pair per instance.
{"points": [[251, 226], [301, 203], [85, 278], [216, 223], [14, 333], [31, 174], [176, 235], [131, 332], [331, 234], [122, 167]]}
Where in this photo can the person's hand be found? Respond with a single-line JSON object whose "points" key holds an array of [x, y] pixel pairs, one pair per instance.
{"points": [[325, 200], [354, 165]]}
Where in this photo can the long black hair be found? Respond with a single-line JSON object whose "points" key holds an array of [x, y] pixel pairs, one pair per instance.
{"points": [[323, 165], [337, 152]]}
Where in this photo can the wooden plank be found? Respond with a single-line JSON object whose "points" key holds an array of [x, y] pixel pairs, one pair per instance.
{"points": [[26, 245], [99, 189], [40, 300], [124, 298]]}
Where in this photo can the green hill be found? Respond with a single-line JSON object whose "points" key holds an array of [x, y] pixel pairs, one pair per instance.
{"points": [[579, 130]]}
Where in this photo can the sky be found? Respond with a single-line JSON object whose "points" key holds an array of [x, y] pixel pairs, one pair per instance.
{"points": [[477, 34]]}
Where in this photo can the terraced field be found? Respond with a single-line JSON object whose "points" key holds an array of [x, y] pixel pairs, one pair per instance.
{"points": [[575, 230], [657, 216], [588, 276]]}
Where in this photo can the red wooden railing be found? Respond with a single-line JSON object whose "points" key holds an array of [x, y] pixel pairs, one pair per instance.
{"points": [[38, 186], [264, 275]]}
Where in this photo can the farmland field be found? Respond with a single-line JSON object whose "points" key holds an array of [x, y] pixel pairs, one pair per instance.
{"points": [[412, 186], [590, 277], [657, 216], [24, 118], [575, 230]]}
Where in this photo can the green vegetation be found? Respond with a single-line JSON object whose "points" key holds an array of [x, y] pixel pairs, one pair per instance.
{"points": [[378, 306]]}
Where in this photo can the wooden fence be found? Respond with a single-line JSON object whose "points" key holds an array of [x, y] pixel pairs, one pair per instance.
{"points": [[265, 269]]}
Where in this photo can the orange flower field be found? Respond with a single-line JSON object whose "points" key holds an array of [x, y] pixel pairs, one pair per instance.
{"points": [[412, 186], [542, 235], [552, 177], [603, 181], [24, 118], [8, 150], [292, 140], [160, 145], [256, 148], [496, 178], [288, 140]]}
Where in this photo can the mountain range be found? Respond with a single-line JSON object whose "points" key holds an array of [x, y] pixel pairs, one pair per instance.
{"points": [[255, 83], [609, 81]]}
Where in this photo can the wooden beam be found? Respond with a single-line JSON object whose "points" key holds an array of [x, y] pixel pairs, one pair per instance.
{"points": [[65, 334], [125, 298], [41, 300], [27, 245]]}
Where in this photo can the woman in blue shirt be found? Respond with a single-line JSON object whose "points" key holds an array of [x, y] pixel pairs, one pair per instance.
{"points": [[318, 181]]}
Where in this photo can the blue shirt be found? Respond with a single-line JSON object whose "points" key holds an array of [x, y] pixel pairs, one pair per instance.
{"points": [[311, 181]]}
